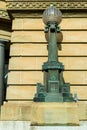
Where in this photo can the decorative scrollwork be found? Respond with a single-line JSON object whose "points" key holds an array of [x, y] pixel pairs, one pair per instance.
{"points": [[4, 14]]}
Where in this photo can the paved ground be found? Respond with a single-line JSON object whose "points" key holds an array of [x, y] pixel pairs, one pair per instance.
{"points": [[25, 125]]}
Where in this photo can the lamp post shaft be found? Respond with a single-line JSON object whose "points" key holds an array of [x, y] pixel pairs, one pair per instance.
{"points": [[53, 57], [52, 47]]}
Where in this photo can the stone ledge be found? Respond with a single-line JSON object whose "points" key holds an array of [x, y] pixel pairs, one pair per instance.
{"points": [[20, 110]]}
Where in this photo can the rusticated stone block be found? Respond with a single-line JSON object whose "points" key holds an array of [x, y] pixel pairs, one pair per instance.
{"points": [[82, 108], [54, 114], [16, 111], [20, 92], [35, 63], [28, 92], [38, 36], [31, 49], [33, 77], [32, 24], [23, 110]]}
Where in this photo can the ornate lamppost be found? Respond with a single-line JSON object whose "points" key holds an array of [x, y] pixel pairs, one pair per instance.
{"points": [[54, 89]]}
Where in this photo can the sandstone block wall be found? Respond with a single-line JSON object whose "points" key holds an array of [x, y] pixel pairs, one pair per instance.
{"points": [[28, 51]]}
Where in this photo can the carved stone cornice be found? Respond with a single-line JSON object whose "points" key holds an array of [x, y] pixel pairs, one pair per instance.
{"points": [[4, 15], [41, 5], [3, 12], [48, 0]]}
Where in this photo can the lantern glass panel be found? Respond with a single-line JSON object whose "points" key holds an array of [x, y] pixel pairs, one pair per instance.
{"points": [[52, 15]]}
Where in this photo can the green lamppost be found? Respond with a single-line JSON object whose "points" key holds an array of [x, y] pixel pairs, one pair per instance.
{"points": [[54, 88]]}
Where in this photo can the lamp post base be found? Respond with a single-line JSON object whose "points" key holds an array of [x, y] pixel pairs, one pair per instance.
{"points": [[54, 97], [54, 114], [63, 96]]}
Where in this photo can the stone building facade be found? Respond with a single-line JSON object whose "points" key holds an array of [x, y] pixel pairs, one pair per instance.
{"points": [[26, 50]]}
